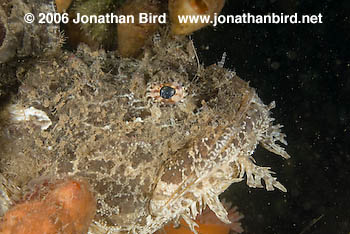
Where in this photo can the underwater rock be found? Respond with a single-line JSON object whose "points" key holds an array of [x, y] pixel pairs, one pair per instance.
{"points": [[21, 39], [96, 35], [130, 37], [148, 160]]}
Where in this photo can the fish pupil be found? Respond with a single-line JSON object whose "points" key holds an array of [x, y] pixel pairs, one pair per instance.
{"points": [[167, 92]]}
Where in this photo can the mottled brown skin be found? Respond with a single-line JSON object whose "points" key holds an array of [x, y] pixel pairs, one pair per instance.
{"points": [[105, 129]]}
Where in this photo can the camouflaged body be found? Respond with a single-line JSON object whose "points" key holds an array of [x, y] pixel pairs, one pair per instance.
{"points": [[148, 162]]}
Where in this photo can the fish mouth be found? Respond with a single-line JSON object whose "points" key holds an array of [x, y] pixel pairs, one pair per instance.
{"points": [[196, 176]]}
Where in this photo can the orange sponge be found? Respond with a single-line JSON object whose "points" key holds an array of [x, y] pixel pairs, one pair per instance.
{"points": [[68, 208], [203, 228], [208, 223]]}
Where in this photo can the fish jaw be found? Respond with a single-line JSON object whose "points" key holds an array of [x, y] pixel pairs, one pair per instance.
{"points": [[196, 176]]}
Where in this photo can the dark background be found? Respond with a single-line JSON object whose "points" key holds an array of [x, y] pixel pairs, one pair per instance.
{"points": [[305, 68]]}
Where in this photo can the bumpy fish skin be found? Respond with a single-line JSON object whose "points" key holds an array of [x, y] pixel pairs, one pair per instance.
{"points": [[148, 162], [196, 176]]}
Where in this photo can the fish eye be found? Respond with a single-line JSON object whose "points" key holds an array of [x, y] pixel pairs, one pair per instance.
{"points": [[167, 92]]}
